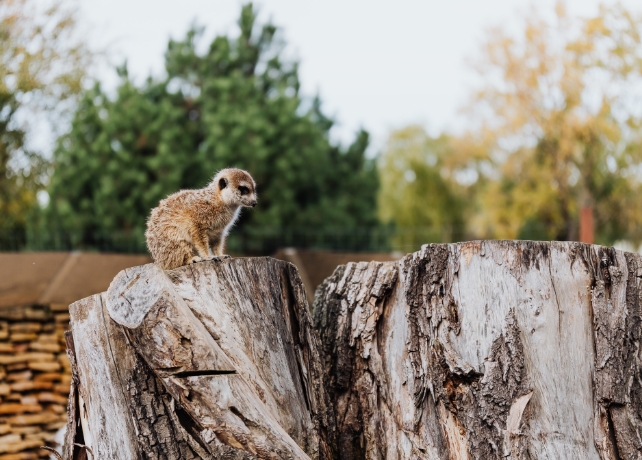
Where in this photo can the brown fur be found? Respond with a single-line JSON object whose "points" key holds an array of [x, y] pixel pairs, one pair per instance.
{"points": [[191, 225]]}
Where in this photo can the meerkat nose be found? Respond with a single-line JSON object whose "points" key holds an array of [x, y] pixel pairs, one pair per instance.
{"points": [[253, 203]]}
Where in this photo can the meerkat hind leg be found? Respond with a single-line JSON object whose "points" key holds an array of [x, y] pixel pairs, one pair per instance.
{"points": [[172, 254]]}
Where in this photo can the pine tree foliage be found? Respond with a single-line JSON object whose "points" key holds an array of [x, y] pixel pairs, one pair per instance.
{"points": [[236, 103], [559, 122]]}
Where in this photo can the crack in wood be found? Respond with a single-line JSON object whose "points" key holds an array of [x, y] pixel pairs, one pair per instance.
{"points": [[274, 407], [202, 373], [482, 350], [611, 432]]}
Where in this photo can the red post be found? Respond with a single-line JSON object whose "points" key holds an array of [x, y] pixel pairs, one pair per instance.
{"points": [[586, 225]]}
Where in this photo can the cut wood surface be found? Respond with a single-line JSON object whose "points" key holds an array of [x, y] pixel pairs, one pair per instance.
{"points": [[480, 350], [212, 360], [486, 350]]}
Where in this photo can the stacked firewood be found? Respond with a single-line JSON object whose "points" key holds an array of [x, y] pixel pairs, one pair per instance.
{"points": [[34, 379]]}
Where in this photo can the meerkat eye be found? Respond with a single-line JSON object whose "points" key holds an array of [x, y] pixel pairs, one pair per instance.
{"points": [[244, 190]]}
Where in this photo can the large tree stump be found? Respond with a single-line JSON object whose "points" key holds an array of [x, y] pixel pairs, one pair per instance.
{"points": [[213, 360], [483, 350], [486, 350]]}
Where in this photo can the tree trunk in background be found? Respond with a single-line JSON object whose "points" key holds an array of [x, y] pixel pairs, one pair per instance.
{"points": [[587, 227], [486, 350], [216, 360]]}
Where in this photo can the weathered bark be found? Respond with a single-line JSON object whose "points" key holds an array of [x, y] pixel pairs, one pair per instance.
{"points": [[212, 360], [486, 350], [481, 350]]}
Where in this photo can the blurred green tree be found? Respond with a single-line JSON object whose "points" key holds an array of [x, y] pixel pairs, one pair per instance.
{"points": [[558, 121], [42, 65], [236, 104], [419, 192]]}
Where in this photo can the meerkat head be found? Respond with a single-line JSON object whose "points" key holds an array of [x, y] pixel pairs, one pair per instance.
{"points": [[236, 187]]}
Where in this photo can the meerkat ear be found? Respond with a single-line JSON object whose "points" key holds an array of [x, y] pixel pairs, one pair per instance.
{"points": [[222, 183]]}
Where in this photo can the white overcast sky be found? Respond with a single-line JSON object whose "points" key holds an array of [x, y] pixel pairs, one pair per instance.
{"points": [[377, 64]]}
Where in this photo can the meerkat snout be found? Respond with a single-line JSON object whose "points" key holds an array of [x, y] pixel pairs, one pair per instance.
{"points": [[191, 225]]}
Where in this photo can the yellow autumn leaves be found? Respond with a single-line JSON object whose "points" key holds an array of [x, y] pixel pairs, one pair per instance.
{"points": [[42, 65], [553, 128]]}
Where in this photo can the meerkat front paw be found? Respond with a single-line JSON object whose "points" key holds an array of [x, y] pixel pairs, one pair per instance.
{"points": [[195, 259]]}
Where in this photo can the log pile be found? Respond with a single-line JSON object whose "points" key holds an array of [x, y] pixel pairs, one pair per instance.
{"points": [[34, 379]]}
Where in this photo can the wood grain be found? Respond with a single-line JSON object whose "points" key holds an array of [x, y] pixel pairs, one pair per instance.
{"points": [[486, 350], [479, 350], [213, 360]]}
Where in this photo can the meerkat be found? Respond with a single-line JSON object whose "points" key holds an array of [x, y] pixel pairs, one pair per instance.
{"points": [[191, 225]]}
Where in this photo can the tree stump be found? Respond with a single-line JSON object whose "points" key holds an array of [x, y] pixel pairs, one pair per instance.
{"points": [[481, 350], [486, 350], [216, 360]]}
